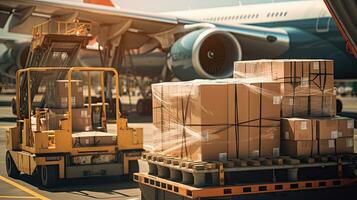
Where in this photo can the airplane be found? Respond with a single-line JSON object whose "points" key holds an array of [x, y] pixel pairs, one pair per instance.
{"points": [[202, 43]]}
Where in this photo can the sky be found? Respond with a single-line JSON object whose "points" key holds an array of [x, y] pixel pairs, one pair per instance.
{"points": [[169, 5]]}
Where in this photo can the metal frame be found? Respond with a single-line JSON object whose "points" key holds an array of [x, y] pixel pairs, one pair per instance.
{"points": [[231, 191], [69, 102]]}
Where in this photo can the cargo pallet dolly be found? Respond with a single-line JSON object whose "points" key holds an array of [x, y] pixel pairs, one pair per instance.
{"points": [[170, 178], [34, 148]]}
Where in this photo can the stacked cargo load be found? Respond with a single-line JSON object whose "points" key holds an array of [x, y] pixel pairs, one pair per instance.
{"points": [[217, 120], [275, 120], [245, 117], [308, 105], [307, 86], [57, 102]]}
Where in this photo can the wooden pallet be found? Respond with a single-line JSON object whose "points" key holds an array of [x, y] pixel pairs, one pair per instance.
{"points": [[201, 174]]}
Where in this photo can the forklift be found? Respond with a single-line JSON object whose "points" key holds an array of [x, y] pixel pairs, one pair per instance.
{"points": [[62, 131]]}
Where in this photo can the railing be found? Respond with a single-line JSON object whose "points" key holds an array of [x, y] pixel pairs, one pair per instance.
{"points": [[61, 28]]}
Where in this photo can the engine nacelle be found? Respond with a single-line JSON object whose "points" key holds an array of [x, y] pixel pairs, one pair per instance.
{"points": [[16, 55], [12, 59], [205, 53]]}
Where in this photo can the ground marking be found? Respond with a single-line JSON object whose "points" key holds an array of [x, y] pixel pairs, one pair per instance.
{"points": [[17, 197], [23, 188]]}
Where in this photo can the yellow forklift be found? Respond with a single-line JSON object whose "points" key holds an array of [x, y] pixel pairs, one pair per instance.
{"points": [[62, 131]]}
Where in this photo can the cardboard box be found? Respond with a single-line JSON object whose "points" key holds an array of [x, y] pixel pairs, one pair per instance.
{"points": [[345, 145], [264, 101], [299, 73], [323, 106], [81, 119], [198, 110], [294, 106], [238, 105], [299, 148], [345, 126], [327, 146], [297, 129], [198, 129], [326, 128], [57, 94]]}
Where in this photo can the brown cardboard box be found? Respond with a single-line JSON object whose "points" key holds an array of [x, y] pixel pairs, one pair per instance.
{"points": [[238, 107], [81, 119], [345, 145], [297, 129], [323, 106], [57, 94], [204, 127], [53, 120], [345, 126], [199, 107], [322, 74], [296, 89], [299, 148], [294, 106], [326, 128], [264, 101], [302, 75], [188, 126], [264, 115], [327, 146]]}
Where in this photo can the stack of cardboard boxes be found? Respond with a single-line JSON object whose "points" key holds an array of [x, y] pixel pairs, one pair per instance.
{"points": [[307, 89], [207, 120], [307, 86], [57, 102], [217, 120]]}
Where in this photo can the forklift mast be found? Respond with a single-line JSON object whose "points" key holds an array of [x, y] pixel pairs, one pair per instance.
{"points": [[54, 44]]}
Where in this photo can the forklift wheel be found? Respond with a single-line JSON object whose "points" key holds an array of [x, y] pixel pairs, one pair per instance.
{"points": [[11, 168], [49, 175]]}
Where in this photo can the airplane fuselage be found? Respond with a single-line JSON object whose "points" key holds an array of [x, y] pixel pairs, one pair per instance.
{"points": [[312, 32]]}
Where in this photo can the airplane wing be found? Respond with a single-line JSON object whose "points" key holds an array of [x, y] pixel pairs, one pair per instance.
{"points": [[140, 27]]}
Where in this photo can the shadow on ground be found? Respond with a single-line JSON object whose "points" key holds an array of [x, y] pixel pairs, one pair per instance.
{"points": [[87, 187]]}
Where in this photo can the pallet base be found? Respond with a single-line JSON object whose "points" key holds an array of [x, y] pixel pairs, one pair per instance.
{"points": [[182, 191], [201, 174]]}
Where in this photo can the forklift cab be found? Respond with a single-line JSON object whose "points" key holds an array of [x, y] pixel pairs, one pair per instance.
{"points": [[76, 104]]}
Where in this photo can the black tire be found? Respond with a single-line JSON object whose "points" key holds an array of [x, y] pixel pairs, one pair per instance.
{"points": [[11, 168], [140, 107], [48, 175], [144, 107], [148, 106], [133, 168], [339, 106]]}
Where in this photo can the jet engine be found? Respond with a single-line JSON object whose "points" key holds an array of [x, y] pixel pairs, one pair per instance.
{"points": [[205, 53], [12, 58], [16, 54]]}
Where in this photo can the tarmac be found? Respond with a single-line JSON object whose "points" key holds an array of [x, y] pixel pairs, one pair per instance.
{"points": [[28, 187]]}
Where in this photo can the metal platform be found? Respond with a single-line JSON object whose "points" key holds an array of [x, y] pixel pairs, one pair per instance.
{"points": [[151, 185]]}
